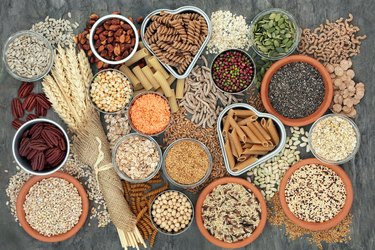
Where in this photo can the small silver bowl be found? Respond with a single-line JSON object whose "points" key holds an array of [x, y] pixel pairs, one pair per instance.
{"points": [[125, 176], [170, 233], [24, 163], [102, 20], [254, 73]]}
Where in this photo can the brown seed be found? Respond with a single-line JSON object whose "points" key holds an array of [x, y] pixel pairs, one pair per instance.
{"points": [[139, 19]]}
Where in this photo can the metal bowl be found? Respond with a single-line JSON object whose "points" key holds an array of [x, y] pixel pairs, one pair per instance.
{"points": [[184, 9], [125, 176], [24, 163], [37, 36], [254, 73], [204, 178], [92, 33], [161, 230], [280, 127], [92, 102]]}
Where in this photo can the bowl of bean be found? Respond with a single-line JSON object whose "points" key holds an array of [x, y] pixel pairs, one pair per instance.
{"points": [[297, 89], [231, 212], [187, 163], [275, 34], [113, 39], [52, 208], [334, 139], [172, 212], [28, 56], [41, 147], [326, 196], [110, 91], [137, 158], [149, 113], [233, 71]]}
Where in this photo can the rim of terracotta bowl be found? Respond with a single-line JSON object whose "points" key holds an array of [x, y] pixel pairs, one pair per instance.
{"points": [[247, 185], [21, 213], [317, 226], [328, 90]]}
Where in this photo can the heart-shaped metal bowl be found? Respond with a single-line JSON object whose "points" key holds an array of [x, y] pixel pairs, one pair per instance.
{"points": [[184, 9], [279, 125]]}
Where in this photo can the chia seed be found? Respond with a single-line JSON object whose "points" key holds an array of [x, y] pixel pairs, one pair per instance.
{"points": [[296, 90]]}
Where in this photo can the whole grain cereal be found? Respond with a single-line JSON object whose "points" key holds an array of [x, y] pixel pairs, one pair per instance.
{"points": [[52, 206], [228, 31], [187, 162], [117, 126], [318, 198], [150, 113]]}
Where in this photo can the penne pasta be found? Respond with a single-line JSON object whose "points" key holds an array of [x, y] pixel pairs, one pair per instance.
{"points": [[237, 128], [264, 133], [229, 154], [173, 102], [242, 165], [232, 147], [243, 113], [150, 76], [242, 158], [144, 81], [243, 122], [252, 137], [137, 56], [225, 126], [171, 80], [257, 150], [247, 145], [180, 88], [259, 135], [157, 66], [273, 132], [236, 142], [163, 84], [132, 78], [263, 123]]}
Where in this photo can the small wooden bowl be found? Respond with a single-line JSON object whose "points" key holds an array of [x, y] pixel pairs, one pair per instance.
{"points": [[212, 239], [21, 213], [317, 226], [328, 88]]}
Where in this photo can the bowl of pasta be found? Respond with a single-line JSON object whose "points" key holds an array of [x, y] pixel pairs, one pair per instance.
{"points": [[248, 137], [177, 37]]}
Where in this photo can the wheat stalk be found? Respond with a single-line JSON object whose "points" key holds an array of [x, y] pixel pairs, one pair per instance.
{"points": [[86, 72]]}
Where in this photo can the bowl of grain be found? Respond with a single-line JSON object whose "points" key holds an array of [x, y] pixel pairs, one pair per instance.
{"points": [[52, 208], [172, 212], [110, 91], [315, 195], [137, 158], [297, 89], [187, 163], [334, 139], [235, 203], [28, 56]]}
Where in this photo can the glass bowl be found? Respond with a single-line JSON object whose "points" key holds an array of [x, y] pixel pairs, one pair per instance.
{"points": [[192, 185], [254, 70], [34, 35], [92, 102], [102, 20], [351, 155], [125, 176], [161, 230], [131, 104], [296, 39]]}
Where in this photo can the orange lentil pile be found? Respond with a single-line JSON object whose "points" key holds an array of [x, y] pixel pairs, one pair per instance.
{"points": [[150, 114]]}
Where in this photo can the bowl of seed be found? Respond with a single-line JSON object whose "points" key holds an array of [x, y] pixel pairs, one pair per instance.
{"points": [[172, 212], [297, 89], [231, 212], [275, 34], [315, 195], [28, 56], [334, 139], [110, 91], [187, 163], [52, 208], [137, 158], [233, 71]]}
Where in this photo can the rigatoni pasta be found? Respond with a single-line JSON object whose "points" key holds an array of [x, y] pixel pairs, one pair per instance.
{"points": [[247, 137]]}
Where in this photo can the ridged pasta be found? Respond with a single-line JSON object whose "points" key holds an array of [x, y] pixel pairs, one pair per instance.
{"points": [[176, 38]]}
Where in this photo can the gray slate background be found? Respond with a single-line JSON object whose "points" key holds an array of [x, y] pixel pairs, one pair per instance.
{"points": [[21, 14]]}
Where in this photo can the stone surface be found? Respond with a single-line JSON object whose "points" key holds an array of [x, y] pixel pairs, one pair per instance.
{"points": [[20, 14]]}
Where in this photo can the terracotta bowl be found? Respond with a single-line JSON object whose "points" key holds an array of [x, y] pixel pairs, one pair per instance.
{"points": [[317, 226], [199, 220], [21, 213], [328, 86]]}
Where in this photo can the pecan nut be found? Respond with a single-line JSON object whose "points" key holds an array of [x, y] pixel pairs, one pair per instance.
{"points": [[17, 110], [25, 89]]}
